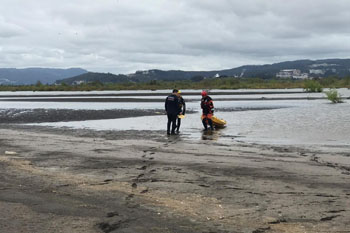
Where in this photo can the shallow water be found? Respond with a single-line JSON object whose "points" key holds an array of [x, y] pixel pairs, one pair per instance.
{"points": [[188, 97], [292, 122], [144, 94], [306, 122], [136, 105]]}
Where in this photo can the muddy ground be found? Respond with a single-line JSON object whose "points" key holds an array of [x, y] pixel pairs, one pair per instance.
{"points": [[58, 115], [62, 180]]}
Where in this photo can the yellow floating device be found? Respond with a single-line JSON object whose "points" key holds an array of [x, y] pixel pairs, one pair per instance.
{"points": [[217, 121]]}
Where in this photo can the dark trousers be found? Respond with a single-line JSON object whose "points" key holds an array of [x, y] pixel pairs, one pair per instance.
{"points": [[171, 122], [207, 121], [178, 124]]}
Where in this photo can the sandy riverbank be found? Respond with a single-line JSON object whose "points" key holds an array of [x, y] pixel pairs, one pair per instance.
{"points": [[141, 181], [58, 115]]}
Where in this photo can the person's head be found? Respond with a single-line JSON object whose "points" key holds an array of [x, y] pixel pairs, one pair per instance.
{"points": [[179, 92], [204, 93], [176, 92]]}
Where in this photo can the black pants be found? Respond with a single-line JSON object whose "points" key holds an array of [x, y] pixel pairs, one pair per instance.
{"points": [[178, 124], [171, 122]]}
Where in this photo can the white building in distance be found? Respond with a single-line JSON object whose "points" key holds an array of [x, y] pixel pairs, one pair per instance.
{"points": [[316, 71], [292, 73]]}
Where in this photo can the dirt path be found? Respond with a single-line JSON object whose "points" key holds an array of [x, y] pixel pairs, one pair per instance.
{"points": [[59, 182]]}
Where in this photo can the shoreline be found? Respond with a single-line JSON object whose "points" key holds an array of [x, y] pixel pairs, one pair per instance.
{"points": [[87, 94], [140, 100]]}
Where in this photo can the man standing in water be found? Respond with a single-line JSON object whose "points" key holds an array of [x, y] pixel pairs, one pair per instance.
{"points": [[207, 106], [183, 111], [172, 109]]}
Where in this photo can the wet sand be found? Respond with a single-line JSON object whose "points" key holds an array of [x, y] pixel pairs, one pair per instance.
{"points": [[58, 115], [63, 180]]}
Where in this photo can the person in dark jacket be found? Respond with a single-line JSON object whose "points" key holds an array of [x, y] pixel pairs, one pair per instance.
{"points": [[172, 109], [207, 106], [182, 112]]}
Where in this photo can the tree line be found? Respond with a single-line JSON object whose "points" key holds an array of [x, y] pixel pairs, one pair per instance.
{"points": [[212, 83]]}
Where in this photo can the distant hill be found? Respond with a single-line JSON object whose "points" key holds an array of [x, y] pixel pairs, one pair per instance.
{"points": [[310, 68], [29, 76], [96, 77], [314, 68]]}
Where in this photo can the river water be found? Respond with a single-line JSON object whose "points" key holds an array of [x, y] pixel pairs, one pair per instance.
{"points": [[282, 122]]}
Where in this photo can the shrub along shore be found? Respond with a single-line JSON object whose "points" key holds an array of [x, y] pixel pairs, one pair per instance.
{"points": [[314, 85]]}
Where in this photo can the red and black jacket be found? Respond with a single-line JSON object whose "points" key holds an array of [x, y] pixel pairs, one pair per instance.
{"points": [[207, 105]]}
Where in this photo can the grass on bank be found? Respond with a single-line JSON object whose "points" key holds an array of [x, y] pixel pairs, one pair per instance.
{"points": [[315, 85]]}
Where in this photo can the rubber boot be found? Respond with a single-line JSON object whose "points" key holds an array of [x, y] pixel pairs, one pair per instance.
{"points": [[178, 126], [168, 128], [211, 124], [205, 124], [173, 128]]}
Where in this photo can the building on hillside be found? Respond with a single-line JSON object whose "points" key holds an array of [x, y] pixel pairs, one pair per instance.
{"points": [[78, 82], [301, 76], [321, 65], [316, 71], [288, 73], [291, 73], [5, 81]]}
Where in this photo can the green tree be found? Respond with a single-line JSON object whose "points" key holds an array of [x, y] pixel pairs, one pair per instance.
{"points": [[312, 86], [38, 84]]}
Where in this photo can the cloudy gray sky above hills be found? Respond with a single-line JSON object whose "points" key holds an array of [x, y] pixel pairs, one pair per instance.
{"points": [[122, 36]]}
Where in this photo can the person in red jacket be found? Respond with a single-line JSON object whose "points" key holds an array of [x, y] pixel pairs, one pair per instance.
{"points": [[207, 106]]}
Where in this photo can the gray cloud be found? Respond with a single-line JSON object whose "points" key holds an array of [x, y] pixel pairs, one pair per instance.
{"points": [[122, 36], [9, 30]]}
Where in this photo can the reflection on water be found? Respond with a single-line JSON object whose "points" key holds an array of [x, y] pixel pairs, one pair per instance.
{"points": [[211, 135], [174, 138]]}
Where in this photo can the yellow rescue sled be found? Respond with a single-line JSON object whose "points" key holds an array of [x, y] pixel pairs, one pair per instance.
{"points": [[217, 122]]}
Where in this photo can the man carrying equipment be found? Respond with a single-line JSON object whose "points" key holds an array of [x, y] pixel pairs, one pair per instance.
{"points": [[173, 109], [207, 106]]}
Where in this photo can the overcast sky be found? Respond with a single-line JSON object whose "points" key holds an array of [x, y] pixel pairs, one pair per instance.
{"points": [[122, 36]]}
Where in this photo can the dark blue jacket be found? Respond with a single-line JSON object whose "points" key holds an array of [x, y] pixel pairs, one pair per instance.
{"points": [[172, 105]]}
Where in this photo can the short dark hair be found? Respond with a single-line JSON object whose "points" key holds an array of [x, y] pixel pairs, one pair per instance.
{"points": [[175, 90]]}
